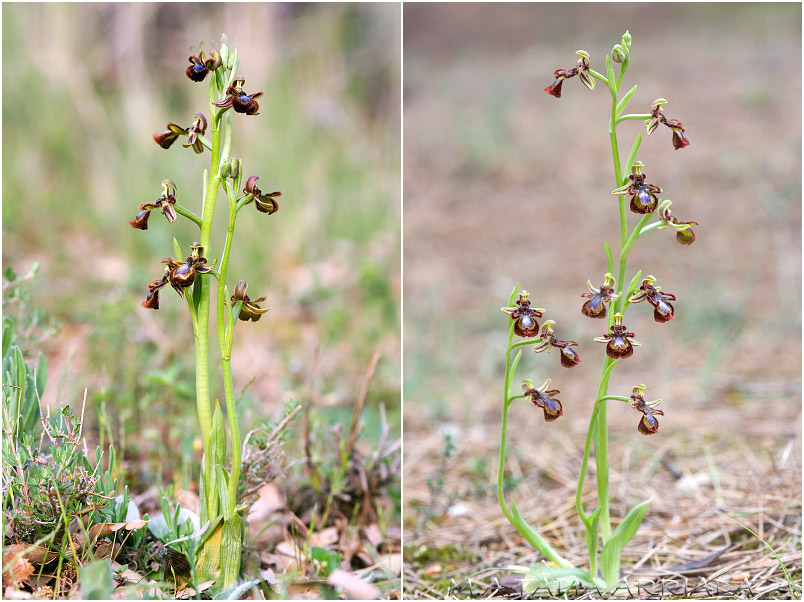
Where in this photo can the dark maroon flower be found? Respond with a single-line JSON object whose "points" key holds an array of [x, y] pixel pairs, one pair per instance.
{"points": [[265, 203], [524, 316], [596, 306], [152, 300], [649, 424], [165, 203], [169, 136], [182, 275], [684, 233], [581, 69], [198, 128], [662, 310], [201, 65], [619, 343], [568, 356], [643, 196], [239, 100], [657, 116], [249, 310], [544, 399]]}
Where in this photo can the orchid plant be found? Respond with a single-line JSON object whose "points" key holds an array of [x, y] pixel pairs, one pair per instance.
{"points": [[218, 550], [610, 301]]}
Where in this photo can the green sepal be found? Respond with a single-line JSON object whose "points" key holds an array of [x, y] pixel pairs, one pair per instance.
{"points": [[612, 549], [609, 257]]}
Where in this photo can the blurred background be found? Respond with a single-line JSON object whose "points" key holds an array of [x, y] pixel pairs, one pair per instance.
{"points": [[504, 183], [81, 100]]}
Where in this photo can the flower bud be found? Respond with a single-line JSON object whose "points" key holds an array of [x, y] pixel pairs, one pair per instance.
{"points": [[225, 54], [214, 61], [234, 167], [618, 54], [627, 40]]}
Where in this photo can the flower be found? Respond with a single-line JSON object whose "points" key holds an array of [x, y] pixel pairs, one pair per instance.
{"points": [[249, 310], [662, 310], [239, 100], [165, 202], [619, 344], [182, 275], [544, 399], [684, 233], [582, 69], [201, 65], [152, 300], [649, 424], [524, 316], [174, 130], [568, 356], [199, 127], [168, 137], [595, 307], [657, 117], [265, 203], [644, 199]]}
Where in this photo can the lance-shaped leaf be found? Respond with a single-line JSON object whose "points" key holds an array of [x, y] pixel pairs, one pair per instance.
{"points": [[612, 549]]}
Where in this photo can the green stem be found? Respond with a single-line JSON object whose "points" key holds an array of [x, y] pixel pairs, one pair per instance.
{"points": [[202, 331], [527, 342], [226, 350], [599, 76], [628, 116], [188, 214]]}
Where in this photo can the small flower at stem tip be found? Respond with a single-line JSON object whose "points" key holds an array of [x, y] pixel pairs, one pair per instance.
{"points": [[648, 424], [619, 343], [568, 356], [596, 306], [524, 316], [250, 310], [544, 399]]}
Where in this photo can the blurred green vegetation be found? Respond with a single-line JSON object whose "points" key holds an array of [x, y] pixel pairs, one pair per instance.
{"points": [[81, 99]]}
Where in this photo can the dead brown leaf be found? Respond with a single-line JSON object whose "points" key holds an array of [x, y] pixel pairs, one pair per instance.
{"points": [[16, 569], [353, 586]]}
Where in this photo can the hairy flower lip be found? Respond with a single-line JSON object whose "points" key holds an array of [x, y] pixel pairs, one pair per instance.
{"points": [[239, 100], [662, 310], [648, 424], [598, 297], [544, 399], [265, 203], [619, 342], [524, 316], [569, 357], [643, 196], [249, 310]]}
